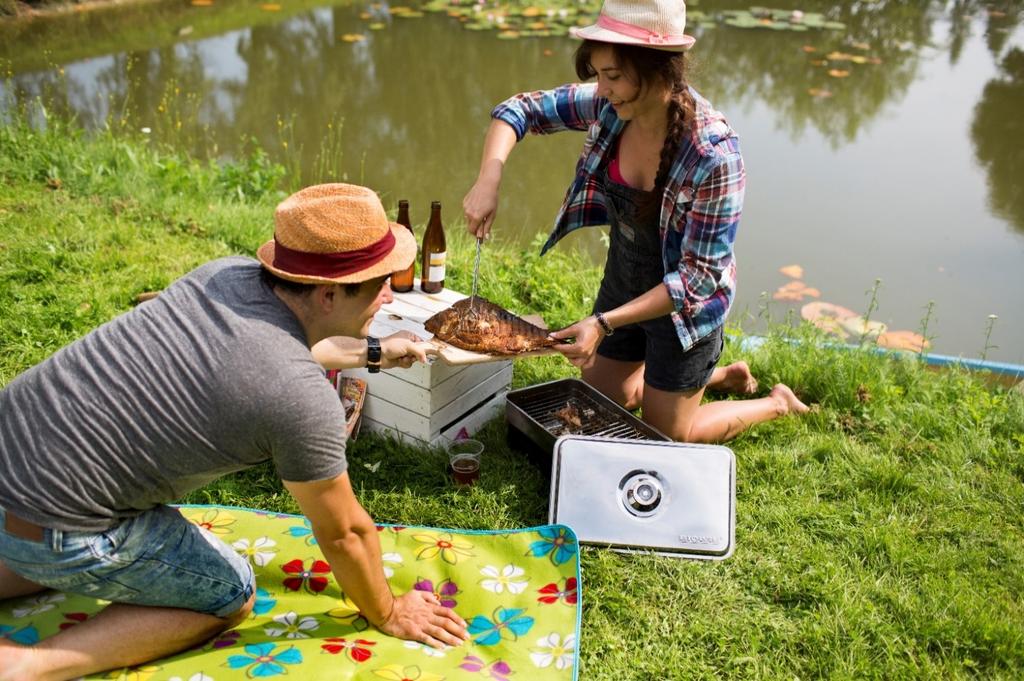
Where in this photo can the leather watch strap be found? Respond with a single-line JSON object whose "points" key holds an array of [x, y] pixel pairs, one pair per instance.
{"points": [[373, 354]]}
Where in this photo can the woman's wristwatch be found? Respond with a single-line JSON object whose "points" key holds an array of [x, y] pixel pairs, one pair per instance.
{"points": [[605, 326], [373, 355]]}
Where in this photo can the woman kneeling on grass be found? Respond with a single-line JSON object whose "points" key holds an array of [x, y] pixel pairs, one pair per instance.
{"points": [[664, 169]]}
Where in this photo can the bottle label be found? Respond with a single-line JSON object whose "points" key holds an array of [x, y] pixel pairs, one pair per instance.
{"points": [[436, 269]]}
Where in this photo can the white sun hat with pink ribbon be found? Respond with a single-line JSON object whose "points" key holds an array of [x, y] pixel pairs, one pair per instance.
{"points": [[657, 24]]}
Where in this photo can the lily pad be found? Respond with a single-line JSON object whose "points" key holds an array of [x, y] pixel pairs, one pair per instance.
{"points": [[828, 317], [822, 310], [796, 290], [793, 271], [774, 19], [858, 326], [903, 340], [742, 22]]}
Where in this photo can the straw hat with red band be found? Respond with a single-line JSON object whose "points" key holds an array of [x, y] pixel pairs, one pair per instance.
{"points": [[335, 234], [657, 24]]}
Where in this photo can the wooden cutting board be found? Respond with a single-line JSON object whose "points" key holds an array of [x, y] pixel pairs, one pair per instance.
{"points": [[454, 355]]}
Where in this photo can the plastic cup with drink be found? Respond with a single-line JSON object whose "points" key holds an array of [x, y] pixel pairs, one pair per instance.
{"points": [[464, 460]]}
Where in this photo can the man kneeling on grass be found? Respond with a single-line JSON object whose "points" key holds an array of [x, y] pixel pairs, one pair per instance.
{"points": [[217, 374]]}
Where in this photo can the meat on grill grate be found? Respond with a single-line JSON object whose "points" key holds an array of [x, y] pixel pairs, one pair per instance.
{"points": [[576, 416], [540, 413]]}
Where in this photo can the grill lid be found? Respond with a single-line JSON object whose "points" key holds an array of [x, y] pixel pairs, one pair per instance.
{"points": [[669, 498]]}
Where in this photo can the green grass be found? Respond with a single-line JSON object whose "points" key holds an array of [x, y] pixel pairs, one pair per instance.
{"points": [[879, 537]]}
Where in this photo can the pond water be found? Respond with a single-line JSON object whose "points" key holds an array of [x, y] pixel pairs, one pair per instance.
{"points": [[908, 170]]}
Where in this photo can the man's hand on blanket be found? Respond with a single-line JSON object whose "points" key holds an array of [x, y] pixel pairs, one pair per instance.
{"points": [[418, 616]]}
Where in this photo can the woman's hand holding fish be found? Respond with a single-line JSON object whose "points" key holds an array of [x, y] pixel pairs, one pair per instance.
{"points": [[588, 335], [402, 348]]}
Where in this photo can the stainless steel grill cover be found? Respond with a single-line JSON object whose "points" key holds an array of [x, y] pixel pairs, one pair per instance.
{"points": [[668, 498]]}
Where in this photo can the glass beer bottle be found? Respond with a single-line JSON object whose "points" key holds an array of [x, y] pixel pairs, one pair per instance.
{"points": [[434, 252], [402, 281]]}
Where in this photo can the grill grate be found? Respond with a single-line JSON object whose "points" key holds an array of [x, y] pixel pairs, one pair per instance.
{"points": [[594, 419], [534, 410]]}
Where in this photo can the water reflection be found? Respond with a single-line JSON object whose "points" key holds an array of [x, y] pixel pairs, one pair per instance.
{"points": [[298, 69], [997, 131], [768, 67], [405, 109], [400, 91]]}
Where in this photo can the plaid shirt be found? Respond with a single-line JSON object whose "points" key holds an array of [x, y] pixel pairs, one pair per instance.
{"points": [[700, 207]]}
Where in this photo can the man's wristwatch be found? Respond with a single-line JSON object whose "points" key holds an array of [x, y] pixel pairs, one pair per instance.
{"points": [[373, 354]]}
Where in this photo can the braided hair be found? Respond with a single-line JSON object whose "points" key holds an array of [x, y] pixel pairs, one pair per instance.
{"points": [[650, 66]]}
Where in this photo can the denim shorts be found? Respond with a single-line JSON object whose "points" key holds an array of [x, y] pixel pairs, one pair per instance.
{"points": [[157, 559], [666, 365]]}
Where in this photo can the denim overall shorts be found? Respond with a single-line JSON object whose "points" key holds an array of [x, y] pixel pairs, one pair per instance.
{"points": [[635, 266]]}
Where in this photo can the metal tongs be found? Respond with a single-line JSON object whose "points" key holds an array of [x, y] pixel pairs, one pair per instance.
{"points": [[471, 314]]}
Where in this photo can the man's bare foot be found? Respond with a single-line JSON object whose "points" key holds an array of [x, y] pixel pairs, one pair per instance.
{"points": [[15, 661], [786, 402], [735, 378]]}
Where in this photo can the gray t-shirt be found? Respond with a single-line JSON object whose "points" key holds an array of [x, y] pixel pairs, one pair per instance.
{"points": [[211, 377]]}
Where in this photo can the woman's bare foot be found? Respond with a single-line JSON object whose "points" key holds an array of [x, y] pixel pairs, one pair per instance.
{"points": [[787, 402], [735, 378], [15, 661]]}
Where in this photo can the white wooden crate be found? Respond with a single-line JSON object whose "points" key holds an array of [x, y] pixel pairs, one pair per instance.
{"points": [[430, 403]]}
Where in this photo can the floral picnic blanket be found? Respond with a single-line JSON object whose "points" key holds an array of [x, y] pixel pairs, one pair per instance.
{"points": [[519, 590]]}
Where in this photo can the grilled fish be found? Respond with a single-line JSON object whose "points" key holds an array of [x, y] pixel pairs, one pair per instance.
{"points": [[487, 328]]}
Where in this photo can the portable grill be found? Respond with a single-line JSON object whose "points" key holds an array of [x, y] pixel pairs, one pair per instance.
{"points": [[620, 483], [533, 412], [669, 498]]}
